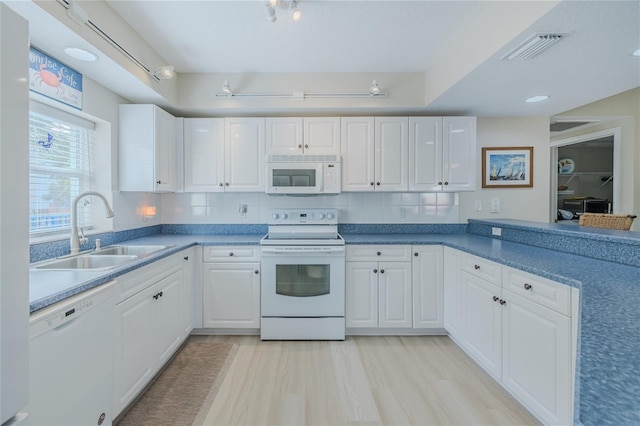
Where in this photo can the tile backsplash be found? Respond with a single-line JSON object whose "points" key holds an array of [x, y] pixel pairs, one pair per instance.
{"points": [[199, 208]]}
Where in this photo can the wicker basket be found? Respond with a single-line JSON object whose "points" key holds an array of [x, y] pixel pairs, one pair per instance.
{"points": [[608, 221]]}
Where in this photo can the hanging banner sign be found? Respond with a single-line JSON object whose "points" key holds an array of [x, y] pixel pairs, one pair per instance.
{"points": [[54, 79]]}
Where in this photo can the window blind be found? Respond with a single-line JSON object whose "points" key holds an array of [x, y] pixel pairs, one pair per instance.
{"points": [[60, 159]]}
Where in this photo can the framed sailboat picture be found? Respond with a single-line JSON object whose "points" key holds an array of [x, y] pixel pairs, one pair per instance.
{"points": [[507, 167]]}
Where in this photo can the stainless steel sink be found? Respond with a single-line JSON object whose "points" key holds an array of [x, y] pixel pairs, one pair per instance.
{"points": [[125, 250], [86, 262]]}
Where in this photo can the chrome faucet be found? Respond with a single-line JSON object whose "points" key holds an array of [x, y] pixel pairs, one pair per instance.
{"points": [[75, 241]]}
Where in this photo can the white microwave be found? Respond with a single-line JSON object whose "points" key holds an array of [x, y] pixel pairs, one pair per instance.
{"points": [[303, 174]]}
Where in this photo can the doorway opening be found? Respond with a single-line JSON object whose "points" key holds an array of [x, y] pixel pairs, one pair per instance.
{"points": [[585, 175]]}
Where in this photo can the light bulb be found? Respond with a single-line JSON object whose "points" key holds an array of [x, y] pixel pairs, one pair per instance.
{"points": [[295, 14]]}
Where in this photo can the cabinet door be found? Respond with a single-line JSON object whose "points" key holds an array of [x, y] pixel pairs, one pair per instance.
{"points": [[165, 158], [361, 294], [459, 154], [537, 358], [357, 147], [190, 277], [428, 298], [231, 295], [203, 154], [169, 316], [391, 156], [482, 323], [425, 154], [135, 330], [453, 301], [394, 282], [244, 154], [284, 135], [322, 135]]}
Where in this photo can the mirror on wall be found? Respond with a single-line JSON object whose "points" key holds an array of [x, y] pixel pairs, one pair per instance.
{"points": [[584, 176]]}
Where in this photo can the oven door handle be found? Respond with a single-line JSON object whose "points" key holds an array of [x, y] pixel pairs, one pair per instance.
{"points": [[282, 250]]}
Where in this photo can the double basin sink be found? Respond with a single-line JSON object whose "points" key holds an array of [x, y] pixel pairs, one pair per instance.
{"points": [[102, 259]]}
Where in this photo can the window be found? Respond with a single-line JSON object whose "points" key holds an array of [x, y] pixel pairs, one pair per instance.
{"points": [[60, 158]]}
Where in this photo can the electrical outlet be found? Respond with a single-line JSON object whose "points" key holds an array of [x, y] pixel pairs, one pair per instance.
{"points": [[478, 205], [495, 205], [242, 209], [497, 232]]}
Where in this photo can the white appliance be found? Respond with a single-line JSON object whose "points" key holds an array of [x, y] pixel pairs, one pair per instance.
{"points": [[303, 174], [303, 276], [71, 360]]}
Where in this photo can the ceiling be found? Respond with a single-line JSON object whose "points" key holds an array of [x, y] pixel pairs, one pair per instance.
{"points": [[456, 43]]}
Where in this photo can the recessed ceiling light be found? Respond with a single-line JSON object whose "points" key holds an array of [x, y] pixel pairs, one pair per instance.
{"points": [[636, 53], [537, 98], [80, 54]]}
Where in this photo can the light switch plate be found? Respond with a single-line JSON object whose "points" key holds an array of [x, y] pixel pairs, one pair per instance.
{"points": [[497, 232]]}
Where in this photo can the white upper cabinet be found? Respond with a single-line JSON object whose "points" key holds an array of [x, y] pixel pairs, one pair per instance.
{"points": [[374, 153], [321, 135], [357, 146], [244, 154], [224, 154], [147, 148], [203, 154], [284, 135], [442, 154], [295, 135]]}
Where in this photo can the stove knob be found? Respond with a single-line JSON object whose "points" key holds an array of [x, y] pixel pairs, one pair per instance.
{"points": [[285, 216], [330, 215], [321, 216], [276, 216]]}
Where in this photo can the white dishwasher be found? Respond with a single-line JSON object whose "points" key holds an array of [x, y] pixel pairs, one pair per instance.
{"points": [[71, 360]]}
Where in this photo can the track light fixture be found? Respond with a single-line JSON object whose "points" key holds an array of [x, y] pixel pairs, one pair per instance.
{"points": [[374, 92], [226, 89], [165, 73], [374, 89], [271, 5]]}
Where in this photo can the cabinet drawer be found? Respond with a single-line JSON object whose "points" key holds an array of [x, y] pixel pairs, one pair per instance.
{"points": [[548, 293], [231, 254], [136, 281], [372, 253], [482, 268]]}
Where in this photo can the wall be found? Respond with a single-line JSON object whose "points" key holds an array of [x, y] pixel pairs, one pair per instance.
{"points": [[622, 111], [515, 203], [14, 213]]}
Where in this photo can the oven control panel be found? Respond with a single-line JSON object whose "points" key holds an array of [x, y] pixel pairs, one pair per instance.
{"points": [[303, 217]]}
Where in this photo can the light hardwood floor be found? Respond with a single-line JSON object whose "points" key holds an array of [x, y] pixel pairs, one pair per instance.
{"points": [[395, 380]]}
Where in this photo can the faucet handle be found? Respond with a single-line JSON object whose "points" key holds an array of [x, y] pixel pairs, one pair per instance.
{"points": [[82, 239]]}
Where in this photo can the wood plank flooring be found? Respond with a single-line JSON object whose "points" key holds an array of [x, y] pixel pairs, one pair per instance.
{"points": [[397, 380]]}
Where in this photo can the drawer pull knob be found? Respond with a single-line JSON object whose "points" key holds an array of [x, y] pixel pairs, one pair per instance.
{"points": [[371, 183], [415, 254], [231, 254], [160, 294], [496, 298], [382, 271], [256, 272], [375, 271], [306, 145], [220, 184], [186, 258], [155, 296], [476, 267], [503, 302], [527, 286], [378, 183], [446, 183], [378, 253]]}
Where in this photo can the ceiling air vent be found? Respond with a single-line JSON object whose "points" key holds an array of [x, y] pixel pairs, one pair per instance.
{"points": [[532, 46], [562, 125]]}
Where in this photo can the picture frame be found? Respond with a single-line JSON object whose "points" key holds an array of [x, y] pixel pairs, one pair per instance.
{"points": [[507, 167]]}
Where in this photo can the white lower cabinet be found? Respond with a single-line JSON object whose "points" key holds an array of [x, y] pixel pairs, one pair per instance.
{"points": [[428, 287], [149, 325], [378, 291], [518, 327], [482, 323], [231, 287]]}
